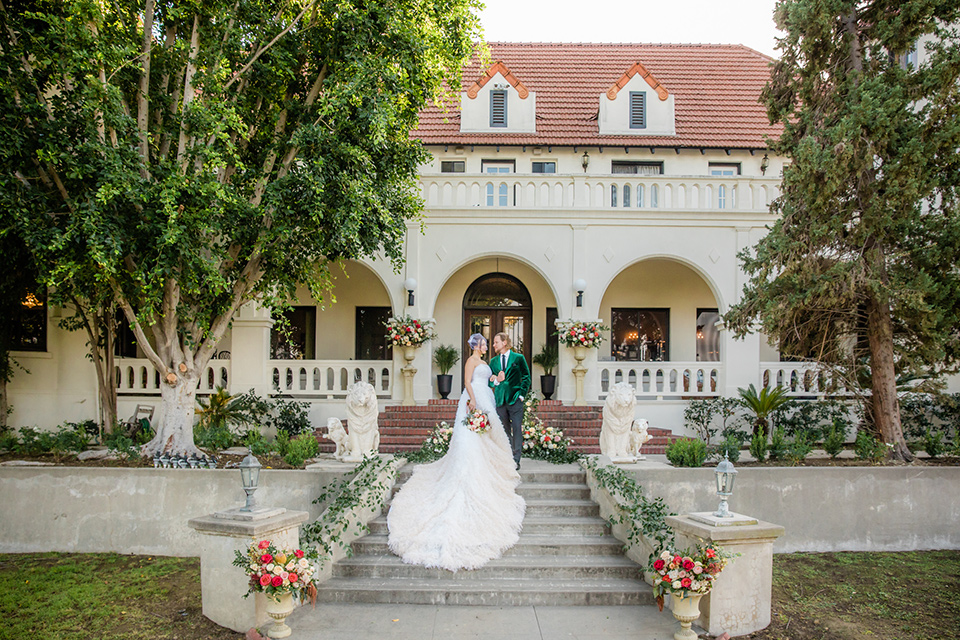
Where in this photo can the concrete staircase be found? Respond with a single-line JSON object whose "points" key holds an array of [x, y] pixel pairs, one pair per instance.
{"points": [[565, 556], [405, 428]]}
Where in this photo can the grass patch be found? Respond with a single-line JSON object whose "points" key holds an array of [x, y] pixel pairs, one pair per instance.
{"points": [[103, 595], [865, 595]]}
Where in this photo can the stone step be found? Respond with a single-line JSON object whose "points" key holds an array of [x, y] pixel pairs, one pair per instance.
{"points": [[573, 477], [528, 545], [553, 491], [509, 568], [535, 525], [460, 591]]}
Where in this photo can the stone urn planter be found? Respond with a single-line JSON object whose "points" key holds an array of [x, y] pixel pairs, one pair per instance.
{"points": [[279, 607], [686, 609], [444, 384]]}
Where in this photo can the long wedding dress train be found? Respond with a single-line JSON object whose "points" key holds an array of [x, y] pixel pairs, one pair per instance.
{"points": [[463, 510]]}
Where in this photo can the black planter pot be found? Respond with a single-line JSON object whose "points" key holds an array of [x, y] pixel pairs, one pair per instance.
{"points": [[444, 384], [548, 384]]}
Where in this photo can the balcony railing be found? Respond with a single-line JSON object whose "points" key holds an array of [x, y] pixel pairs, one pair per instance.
{"points": [[620, 192], [655, 379], [330, 378], [801, 379], [138, 376]]}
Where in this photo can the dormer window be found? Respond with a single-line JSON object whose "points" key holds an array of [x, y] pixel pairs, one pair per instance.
{"points": [[638, 110], [498, 108]]}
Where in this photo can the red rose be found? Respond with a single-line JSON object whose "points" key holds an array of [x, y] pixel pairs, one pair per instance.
{"points": [[298, 553], [266, 558], [264, 580], [277, 581], [417, 324], [264, 544], [409, 329], [677, 560], [710, 552], [688, 564], [686, 582], [658, 564], [292, 578]]}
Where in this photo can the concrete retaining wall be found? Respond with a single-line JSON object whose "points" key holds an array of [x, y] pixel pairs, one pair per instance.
{"points": [[146, 510], [829, 508], [143, 511]]}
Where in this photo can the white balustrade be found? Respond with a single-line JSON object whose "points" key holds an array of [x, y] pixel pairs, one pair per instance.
{"points": [[655, 379], [630, 192], [138, 376], [801, 379], [329, 378]]}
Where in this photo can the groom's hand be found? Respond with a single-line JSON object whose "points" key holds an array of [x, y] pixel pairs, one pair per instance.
{"points": [[501, 376]]}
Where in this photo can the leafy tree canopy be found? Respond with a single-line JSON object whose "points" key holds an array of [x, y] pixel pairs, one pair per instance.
{"points": [[200, 154]]}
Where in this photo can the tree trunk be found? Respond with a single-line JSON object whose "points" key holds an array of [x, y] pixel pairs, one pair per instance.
{"points": [[886, 407], [4, 408], [175, 423]]}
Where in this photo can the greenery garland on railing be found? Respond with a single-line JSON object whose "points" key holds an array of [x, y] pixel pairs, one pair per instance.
{"points": [[643, 517], [365, 488]]}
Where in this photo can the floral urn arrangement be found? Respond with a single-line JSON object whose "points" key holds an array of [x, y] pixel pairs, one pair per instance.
{"points": [[578, 333], [405, 331], [282, 575], [686, 575]]}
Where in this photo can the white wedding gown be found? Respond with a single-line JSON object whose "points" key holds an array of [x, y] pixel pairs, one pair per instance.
{"points": [[463, 510]]}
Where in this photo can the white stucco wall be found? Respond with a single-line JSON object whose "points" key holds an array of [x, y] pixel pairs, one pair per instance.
{"points": [[475, 112], [615, 114]]}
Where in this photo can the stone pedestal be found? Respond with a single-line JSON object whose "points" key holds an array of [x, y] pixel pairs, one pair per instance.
{"points": [[222, 586], [579, 371], [408, 370], [739, 603]]}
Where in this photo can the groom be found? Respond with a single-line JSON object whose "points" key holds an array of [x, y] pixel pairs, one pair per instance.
{"points": [[511, 384]]}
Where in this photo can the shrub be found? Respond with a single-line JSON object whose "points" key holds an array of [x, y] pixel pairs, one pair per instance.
{"points": [[758, 445], [867, 447], [933, 443], [835, 439], [799, 449], [916, 413], [219, 437], [256, 442], [32, 442], [300, 449], [730, 446], [778, 444], [698, 416], [281, 443], [814, 418], [290, 417], [687, 452], [8, 441], [122, 445], [764, 404], [445, 357]]}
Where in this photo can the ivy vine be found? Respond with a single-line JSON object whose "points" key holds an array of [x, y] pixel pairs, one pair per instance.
{"points": [[364, 488], [644, 518]]}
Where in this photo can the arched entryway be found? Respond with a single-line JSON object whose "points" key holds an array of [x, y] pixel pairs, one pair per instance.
{"points": [[498, 302]]}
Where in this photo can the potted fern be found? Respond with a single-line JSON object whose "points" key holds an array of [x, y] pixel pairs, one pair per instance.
{"points": [[548, 358], [445, 356]]}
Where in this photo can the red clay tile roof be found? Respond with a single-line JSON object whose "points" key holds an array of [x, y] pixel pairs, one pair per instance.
{"points": [[500, 68], [716, 90]]}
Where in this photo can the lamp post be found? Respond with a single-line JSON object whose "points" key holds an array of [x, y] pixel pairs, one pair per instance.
{"points": [[726, 474], [249, 476]]}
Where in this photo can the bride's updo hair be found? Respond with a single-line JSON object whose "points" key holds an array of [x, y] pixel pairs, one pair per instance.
{"points": [[476, 340]]}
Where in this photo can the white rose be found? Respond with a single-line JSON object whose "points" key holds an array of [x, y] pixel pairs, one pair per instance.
{"points": [[277, 570], [303, 563], [676, 584], [269, 567], [666, 555], [290, 566]]}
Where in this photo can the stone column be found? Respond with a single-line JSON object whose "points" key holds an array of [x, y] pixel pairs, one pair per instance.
{"points": [[222, 585], [739, 603], [250, 350]]}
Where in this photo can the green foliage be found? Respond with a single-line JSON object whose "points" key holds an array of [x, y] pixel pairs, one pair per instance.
{"points": [[361, 490], [256, 442], [216, 438], [758, 445], [867, 447], [698, 416], [282, 443], [687, 452], [290, 417], [730, 446], [300, 449], [233, 154], [764, 404], [778, 444], [541, 442], [814, 418], [548, 357], [434, 447], [445, 357], [835, 439], [644, 518], [8, 441], [799, 449], [123, 445], [221, 410], [933, 443]]}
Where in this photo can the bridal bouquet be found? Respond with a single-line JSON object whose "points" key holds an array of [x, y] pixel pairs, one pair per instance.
{"points": [[275, 571], [581, 334], [687, 572], [477, 421]]}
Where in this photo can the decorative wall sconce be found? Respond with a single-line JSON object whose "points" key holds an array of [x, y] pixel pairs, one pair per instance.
{"points": [[410, 284], [585, 161], [764, 164], [580, 286]]}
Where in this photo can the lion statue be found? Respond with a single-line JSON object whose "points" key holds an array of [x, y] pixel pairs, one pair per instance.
{"points": [[639, 437], [337, 434], [363, 432], [617, 422]]}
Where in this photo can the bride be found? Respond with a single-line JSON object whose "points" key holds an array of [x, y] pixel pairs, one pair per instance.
{"points": [[463, 510]]}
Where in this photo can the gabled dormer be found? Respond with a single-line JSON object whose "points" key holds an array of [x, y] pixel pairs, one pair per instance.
{"points": [[637, 104], [498, 103]]}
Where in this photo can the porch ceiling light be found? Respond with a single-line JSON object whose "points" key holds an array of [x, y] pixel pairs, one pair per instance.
{"points": [[585, 161], [580, 286], [410, 284], [726, 474], [250, 477]]}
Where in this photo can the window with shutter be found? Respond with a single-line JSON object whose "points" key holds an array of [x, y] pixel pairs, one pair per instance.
{"points": [[498, 108], [638, 110]]}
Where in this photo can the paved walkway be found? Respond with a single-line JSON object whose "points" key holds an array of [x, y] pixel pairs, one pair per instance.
{"points": [[438, 622]]}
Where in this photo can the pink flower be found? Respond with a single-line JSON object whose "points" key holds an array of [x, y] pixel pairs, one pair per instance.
{"points": [[292, 578], [686, 582], [298, 553], [277, 581], [266, 558], [688, 564], [264, 544], [658, 564], [264, 580]]}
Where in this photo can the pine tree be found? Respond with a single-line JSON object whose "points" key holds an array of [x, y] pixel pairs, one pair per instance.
{"points": [[861, 269]]}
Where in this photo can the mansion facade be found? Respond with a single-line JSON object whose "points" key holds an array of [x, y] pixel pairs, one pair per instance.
{"points": [[611, 182]]}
